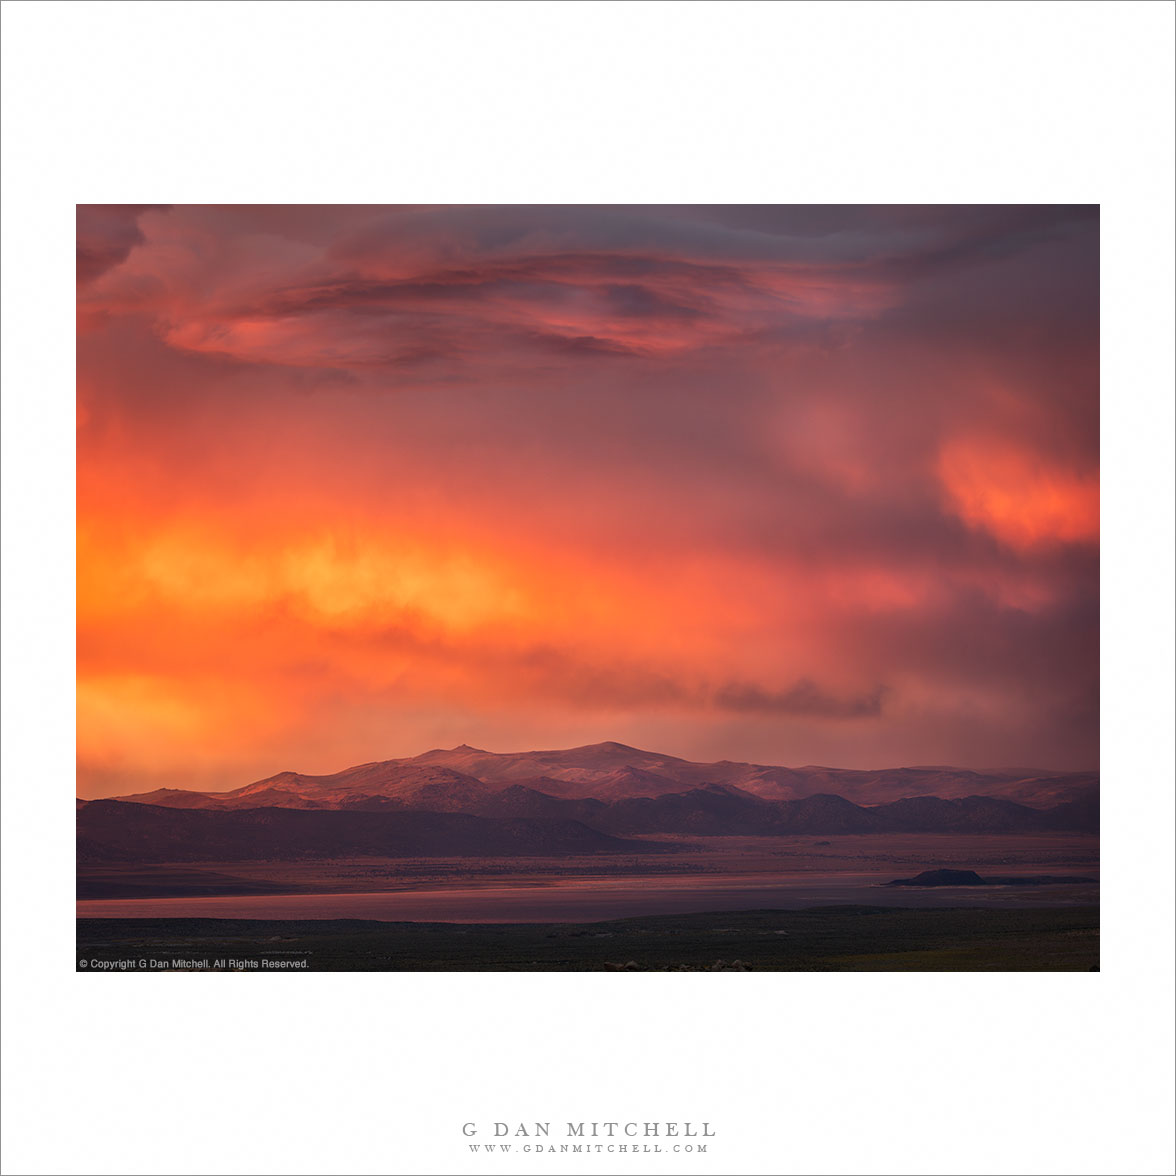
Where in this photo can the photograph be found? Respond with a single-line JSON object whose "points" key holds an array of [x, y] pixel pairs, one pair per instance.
{"points": [[617, 557], [583, 588]]}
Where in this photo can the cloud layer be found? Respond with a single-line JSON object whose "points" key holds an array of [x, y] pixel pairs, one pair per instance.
{"points": [[790, 484]]}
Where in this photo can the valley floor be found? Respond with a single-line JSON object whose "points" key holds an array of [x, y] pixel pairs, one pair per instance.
{"points": [[826, 939], [873, 858], [786, 904]]}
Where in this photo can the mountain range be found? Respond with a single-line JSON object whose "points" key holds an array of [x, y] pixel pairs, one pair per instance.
{"points": [[584, 800], [612, 771]]}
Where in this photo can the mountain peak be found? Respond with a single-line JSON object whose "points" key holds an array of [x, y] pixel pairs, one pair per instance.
{"points": [[610, 771]]}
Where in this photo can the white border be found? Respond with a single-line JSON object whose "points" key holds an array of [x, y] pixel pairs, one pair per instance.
{"points": [[575, 102]]}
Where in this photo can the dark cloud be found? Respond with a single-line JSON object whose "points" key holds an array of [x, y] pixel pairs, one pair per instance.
{"points": [[803, 699], [106, 234]]}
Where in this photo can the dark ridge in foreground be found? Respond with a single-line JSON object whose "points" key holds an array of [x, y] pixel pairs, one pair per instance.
{"points": [[112, 831], [825, 939], [469, 819]]}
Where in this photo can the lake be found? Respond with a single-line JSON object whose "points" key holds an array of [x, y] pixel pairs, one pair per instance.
{"points": [[589, 899]]}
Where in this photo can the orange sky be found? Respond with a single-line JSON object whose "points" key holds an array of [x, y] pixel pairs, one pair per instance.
{"points": [[790, 485]]}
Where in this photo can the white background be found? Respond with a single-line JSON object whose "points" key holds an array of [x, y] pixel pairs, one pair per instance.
{"points": [[597, 102]]}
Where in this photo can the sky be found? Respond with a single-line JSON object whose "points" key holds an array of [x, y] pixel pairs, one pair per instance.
{"points": [[781, 484]]}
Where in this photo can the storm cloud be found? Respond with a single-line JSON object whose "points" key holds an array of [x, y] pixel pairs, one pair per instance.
{"points": [[784, 483]]}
